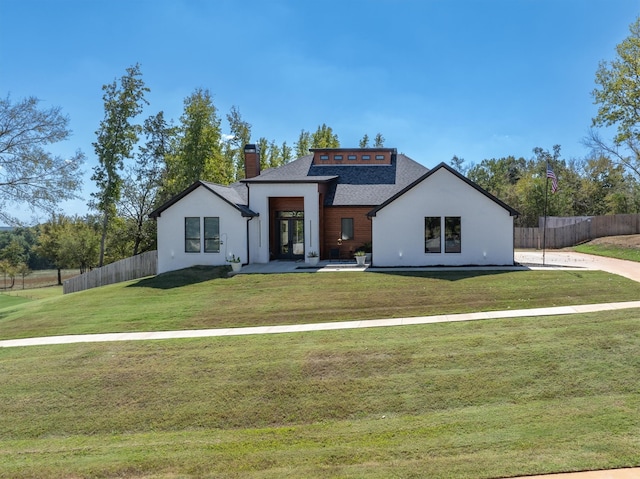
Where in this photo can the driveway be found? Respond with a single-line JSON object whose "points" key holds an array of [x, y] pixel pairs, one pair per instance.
{"points": [[628, 269]]}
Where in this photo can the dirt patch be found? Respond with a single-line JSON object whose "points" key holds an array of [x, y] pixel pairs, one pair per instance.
{"points": [[628, 241]]}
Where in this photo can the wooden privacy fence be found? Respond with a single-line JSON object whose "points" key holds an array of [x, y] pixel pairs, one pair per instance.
{"points": [[563, 232], [145, 264]]}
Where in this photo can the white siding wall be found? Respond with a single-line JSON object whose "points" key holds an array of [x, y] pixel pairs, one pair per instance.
{"points": [[200, 203], [486, 227], [259, 202]]}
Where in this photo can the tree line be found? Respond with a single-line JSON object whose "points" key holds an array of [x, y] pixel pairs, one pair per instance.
{"points": [[142, 162]]}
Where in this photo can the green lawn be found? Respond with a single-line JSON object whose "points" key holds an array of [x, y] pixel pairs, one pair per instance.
{"points": [[7, 300], [482, 399], [609, 250], [205, 298]]}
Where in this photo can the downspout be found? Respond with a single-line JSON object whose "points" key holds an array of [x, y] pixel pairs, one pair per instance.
{"points": [[250, 218]]}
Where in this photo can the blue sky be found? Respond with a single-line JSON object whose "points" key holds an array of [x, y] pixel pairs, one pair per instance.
{"points": [[438, 78]]}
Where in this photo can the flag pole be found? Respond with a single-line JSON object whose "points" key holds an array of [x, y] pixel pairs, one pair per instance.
{"points": [[544, 222]]}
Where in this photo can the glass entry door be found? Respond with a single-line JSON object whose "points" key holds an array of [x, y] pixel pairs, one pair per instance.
{"points": [[290, 228]]}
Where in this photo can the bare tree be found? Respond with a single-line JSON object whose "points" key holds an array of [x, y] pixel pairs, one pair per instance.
{"points": [[30, 175]]}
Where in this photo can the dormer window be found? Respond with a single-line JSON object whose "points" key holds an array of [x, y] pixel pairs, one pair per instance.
{"points": [[324, 157], [352, 157], [379, 157], [337, 157], [366, 157]]}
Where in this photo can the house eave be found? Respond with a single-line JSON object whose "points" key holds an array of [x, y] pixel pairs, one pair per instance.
{"points": [[512, 212], [243, 209]]}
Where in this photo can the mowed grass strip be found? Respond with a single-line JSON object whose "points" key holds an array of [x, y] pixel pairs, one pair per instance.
{"points": [[484, 399], [610, 251], [201, 298]]}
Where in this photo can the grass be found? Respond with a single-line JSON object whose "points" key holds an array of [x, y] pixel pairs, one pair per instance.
{"points": [[41, 278], [610, 250], [200, 298], [482, 399]]}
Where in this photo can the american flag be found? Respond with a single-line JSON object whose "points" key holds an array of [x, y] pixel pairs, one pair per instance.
{"points": [[554, 180]]}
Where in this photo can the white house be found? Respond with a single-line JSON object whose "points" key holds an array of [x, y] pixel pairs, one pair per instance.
{"points": [[442, 219], [334, 202]]}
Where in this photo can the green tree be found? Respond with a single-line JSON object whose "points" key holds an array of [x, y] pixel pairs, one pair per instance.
{"points": [[286, 153], [142, 183], [458, 165], [14, 252], [618, 97], [378, 141], [70, 242], [605, 188], [324, 137], [48, 245], [9, 271], [24, 271], [303, 144], [12, 261], [498, 176], [80, 244], [116, 138], [364, 142], [198, 154], [240, 136], [30, 175]]}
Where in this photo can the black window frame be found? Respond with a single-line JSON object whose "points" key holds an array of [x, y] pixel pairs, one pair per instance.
{"points": [[213, 239], [453, 234], [431, 227], [343, 236], [191, 240]]}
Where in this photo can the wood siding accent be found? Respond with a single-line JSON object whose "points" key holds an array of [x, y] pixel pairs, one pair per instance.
{"points": [[332, 219], [341, 156]]}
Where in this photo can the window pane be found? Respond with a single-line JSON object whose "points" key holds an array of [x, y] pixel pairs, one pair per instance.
{"points": [[452, 234], [347, 229], [192, 235], [212, 235], [432, 234]]}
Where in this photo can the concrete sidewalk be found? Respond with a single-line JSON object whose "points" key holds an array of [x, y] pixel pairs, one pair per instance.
{"points": [[298, 328], [628, 473]]}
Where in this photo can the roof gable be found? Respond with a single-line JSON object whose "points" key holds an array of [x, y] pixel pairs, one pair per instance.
{"points": [[232, 194], [475, 186]]}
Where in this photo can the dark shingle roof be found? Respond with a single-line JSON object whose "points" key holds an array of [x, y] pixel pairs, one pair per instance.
{"points": [[350, 185]]}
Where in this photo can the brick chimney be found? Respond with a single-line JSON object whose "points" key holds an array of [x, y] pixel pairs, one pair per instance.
{"points": [[251, 161]]}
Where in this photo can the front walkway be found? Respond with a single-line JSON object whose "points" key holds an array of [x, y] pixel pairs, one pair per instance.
{"points": [[299, 328]]}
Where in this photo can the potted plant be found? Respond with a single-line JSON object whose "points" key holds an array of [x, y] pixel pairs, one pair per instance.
{"points": [[313, 258], [367, 248], [360, 257], [236, 264]]}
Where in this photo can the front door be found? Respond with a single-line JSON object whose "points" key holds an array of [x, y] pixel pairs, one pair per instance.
{"points": [[290, 228]]}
